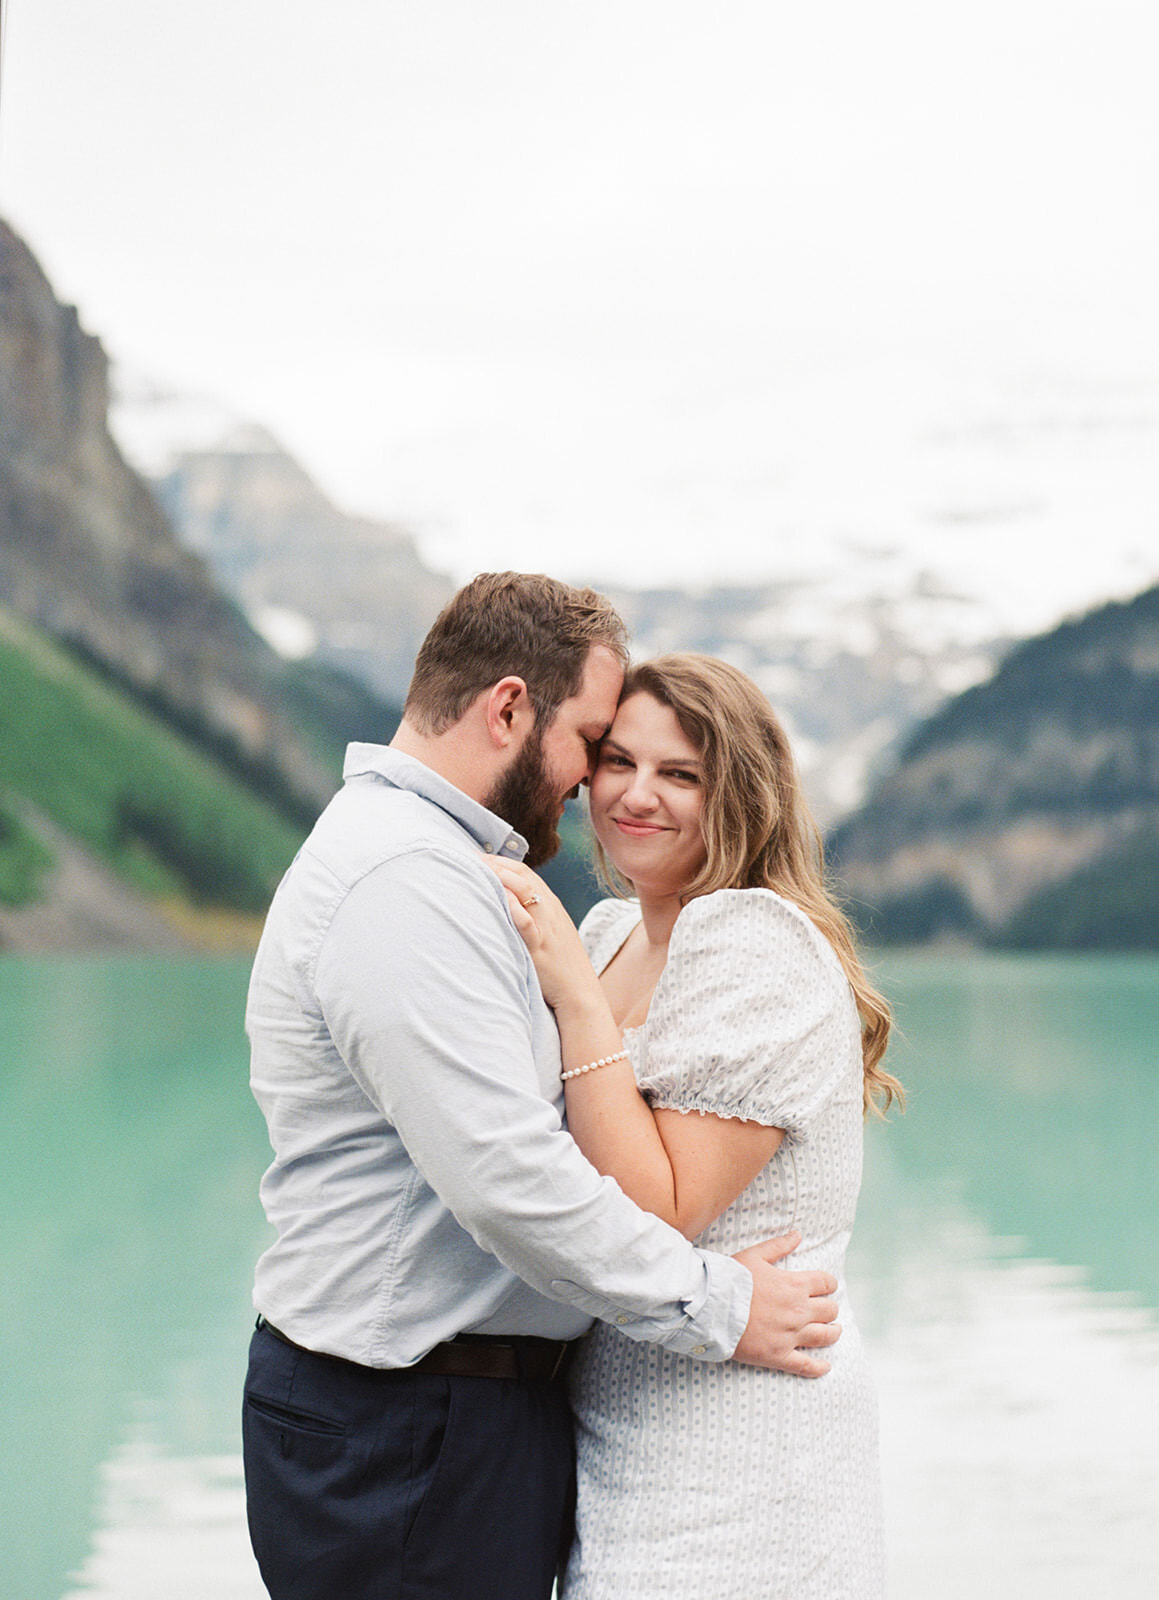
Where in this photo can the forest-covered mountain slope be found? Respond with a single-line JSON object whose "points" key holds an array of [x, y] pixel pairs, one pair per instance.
{"points": [[87, 554], [1026, 811], [115, 827], [152, 745]]}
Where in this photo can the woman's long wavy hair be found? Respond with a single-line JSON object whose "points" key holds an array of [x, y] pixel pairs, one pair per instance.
{"points": [[757, 828]]}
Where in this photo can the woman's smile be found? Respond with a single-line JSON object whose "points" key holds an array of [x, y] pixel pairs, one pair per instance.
{"points": [[646, 790]]}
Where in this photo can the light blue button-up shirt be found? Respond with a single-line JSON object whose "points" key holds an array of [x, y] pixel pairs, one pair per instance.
{"points": [[423, 1183]]}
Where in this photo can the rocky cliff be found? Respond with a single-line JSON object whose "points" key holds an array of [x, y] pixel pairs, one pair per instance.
{"points": [[1026, 811], [88, 554], [351, 590]]}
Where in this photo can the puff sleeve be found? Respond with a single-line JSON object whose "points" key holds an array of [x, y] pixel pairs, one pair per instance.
{"points": [[606, 926], [753, 1017]]}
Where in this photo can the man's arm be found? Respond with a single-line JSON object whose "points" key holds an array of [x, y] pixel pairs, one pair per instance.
{"points": [[427, 991]]}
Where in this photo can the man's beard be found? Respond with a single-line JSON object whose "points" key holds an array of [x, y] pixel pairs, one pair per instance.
{"points": [[526, 798]]}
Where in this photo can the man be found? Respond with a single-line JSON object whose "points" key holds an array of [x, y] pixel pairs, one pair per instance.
{"points": [[440, 1237]]}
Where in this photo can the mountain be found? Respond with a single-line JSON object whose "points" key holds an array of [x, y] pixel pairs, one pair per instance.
{"points": [[88, 554], [852, 655], [270, 535], [1026, 811], [157, 758], [345, 590], [117, 830], [849, 668]]}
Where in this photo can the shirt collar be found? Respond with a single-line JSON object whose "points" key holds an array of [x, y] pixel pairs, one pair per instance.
{"points": [[490, 832]]}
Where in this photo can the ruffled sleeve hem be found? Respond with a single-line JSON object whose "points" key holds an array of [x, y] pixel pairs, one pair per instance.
{"points": [[746, 1109]]}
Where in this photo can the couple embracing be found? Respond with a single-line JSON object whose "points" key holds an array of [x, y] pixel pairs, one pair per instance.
{"points": [[491, 1131]]}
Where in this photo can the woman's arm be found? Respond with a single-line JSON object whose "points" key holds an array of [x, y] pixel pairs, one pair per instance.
{"points": [[685, 1168]]}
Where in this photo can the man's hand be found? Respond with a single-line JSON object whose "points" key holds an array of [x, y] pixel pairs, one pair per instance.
{"points": [[790, 1313]]}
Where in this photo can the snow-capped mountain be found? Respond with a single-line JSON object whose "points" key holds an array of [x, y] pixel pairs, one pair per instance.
{"points": [[882, 567]]}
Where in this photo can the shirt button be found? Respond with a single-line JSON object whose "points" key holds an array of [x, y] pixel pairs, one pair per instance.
{"points": [[489, 849], [622, 1318], [699, 1349]]}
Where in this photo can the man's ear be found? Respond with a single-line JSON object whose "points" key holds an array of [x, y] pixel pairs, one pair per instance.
{"points": [[507, 712]]}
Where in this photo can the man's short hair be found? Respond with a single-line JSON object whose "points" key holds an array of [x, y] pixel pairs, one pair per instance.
{"points": [[505, 624]]}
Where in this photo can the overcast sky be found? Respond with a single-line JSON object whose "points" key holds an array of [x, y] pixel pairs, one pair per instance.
{"points": [[647, 289]]}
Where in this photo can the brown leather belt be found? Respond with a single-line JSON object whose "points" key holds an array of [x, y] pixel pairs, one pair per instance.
{"points": [[521, 1357]]}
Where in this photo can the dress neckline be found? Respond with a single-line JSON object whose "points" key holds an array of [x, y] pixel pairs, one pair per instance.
{"points": [[627, 1034]]}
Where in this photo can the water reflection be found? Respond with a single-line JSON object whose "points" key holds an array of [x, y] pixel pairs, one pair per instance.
{"points": [[1034, 1093], [1018, 1419], [1006, 1272], [128, 1155], [169, 1526]]}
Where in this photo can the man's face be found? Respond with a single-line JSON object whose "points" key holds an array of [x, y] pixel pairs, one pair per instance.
{"points": [[552, 762]]}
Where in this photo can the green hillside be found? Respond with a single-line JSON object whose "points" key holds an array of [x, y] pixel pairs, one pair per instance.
{"points": [[23, 862], [170, 819], [173, 811]]}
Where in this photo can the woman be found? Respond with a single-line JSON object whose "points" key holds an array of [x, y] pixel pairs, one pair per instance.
{"points": [[729, 987]]}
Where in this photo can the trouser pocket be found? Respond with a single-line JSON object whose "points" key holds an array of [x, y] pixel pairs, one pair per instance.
{"points": [[291, 1423]]}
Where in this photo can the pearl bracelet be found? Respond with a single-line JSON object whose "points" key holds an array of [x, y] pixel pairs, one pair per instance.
{"points": [[604, 1061]]}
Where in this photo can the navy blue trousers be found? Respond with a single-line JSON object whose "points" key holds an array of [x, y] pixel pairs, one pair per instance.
{"points": [[366, 1485]]}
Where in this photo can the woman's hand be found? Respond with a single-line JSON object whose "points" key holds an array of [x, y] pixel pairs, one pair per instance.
{"points": [[561, 963]]}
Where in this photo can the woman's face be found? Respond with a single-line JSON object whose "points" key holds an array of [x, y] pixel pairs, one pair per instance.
{"points": [[647, 796]]}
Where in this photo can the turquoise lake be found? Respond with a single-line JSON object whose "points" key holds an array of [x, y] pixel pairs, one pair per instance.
{"points": [[1005, 1271]]}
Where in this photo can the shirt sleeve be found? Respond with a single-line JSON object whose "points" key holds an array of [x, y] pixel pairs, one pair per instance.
{"points": [[427, 991], [753, 1014]]}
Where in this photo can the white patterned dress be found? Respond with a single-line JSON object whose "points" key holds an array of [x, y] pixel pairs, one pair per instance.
{"points": [[715, 1481]]}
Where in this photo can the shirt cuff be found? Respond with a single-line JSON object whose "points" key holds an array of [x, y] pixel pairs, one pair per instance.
{"points": [[712, 1321], [713, 1332]]}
